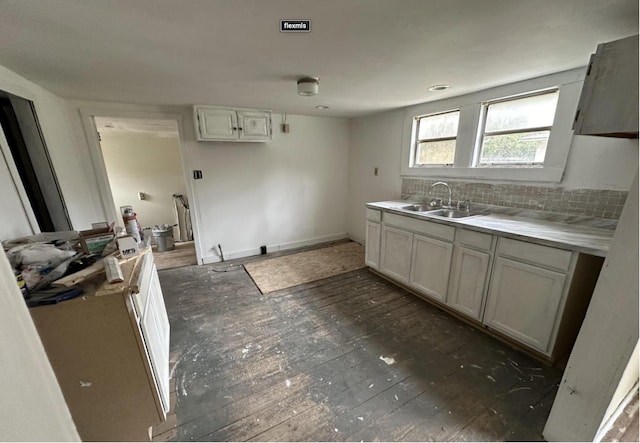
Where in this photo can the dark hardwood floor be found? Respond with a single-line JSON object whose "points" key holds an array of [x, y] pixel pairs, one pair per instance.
{"points": [[348, 358]]}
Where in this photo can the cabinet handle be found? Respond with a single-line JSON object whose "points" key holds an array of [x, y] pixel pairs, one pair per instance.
{"points": [[239, 129], [234, 128]]}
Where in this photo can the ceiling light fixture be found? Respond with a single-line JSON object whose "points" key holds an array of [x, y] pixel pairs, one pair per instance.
{"points": [[436, 88], [322, 107], [307, 86]]}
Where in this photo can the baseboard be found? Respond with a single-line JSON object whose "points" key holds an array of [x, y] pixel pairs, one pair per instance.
{"points": [[273, 248]]}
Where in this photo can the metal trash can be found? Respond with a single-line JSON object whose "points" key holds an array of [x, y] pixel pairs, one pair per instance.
{"points": [[164, 237]]}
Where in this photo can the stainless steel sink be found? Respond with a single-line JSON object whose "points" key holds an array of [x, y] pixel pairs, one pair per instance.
{"points": [[453, 213], [417, 208]]}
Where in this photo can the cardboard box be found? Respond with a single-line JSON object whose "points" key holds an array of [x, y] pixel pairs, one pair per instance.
{"points": [[94, 240], [128, 246]]}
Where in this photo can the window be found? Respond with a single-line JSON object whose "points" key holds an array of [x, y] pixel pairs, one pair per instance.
{"points": [[435, 139], [516, 130]]}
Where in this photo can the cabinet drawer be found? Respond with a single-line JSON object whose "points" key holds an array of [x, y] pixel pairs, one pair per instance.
{"points": [[374, 215], [537, 254], [421, 226], [478, 240]]}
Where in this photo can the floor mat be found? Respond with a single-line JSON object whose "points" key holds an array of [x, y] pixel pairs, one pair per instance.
{"points": [[292, 270]]}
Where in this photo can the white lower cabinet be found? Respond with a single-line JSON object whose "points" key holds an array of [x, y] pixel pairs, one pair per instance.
{"points": [[110, 353], [155, 329], [430, 263], [468, 281], [529, 293], [395, 253], [524, 301], [372, 245]]}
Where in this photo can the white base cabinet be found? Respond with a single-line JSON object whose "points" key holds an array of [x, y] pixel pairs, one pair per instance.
{"points": [[430, 265], [468, 282], [395, 253], [110, 354], [528, 293], [373, 238], [524, 301], [372, 250]]}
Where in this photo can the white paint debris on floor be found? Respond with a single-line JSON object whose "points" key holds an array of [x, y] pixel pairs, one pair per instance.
{"points": [[388, 360], [476, 366], [524, 388], [396, 397], [85, 384], [287, 383], [371, 386], [491, 378], [361, 418]]}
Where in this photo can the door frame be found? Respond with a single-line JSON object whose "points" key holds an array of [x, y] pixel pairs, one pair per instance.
{"points": [[88, 115], [5, 152]]}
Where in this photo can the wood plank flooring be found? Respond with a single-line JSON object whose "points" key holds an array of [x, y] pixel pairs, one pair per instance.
{"points": [[348, 358], [183, 254]]}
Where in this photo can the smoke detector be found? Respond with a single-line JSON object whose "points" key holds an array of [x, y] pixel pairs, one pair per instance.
{"points": [[307, 86]]}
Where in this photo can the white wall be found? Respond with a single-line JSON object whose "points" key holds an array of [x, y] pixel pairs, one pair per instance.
{"points": [[285, 193], [374, 143], [77, 187], [593, 162], [139, 162]]}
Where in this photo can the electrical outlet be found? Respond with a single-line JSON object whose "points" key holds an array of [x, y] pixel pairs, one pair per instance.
{"points": [[141, 196]]}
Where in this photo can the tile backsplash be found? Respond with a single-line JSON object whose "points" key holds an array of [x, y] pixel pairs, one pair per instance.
{"points": [[600, 203]]}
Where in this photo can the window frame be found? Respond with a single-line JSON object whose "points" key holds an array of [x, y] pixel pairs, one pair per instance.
{"points": [[416, 141], [569, 85], [482, 133]]}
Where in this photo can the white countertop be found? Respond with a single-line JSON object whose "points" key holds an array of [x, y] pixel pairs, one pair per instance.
{"points": [[571, 236]]}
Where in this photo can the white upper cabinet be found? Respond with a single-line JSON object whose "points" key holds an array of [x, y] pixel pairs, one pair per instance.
{"points": [[232, 124], [254, 125], [609, 101]]}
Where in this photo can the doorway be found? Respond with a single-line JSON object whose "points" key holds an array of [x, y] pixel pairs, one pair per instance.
{"points": [[144, 169], [28, 152]]}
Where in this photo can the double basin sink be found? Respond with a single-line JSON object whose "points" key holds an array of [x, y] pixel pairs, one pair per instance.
{"points": [[442, 212]]}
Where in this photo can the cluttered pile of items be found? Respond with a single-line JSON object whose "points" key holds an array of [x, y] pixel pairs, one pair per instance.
{"points": [[50, 266]]}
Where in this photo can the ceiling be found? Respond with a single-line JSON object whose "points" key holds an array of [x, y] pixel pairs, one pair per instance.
{"points": [[370, 55]]}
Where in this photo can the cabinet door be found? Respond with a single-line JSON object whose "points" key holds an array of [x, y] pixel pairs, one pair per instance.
{"points": [[523, 302], [372, 245], [254, 125], [395, 256], [468, 281], [430, 266], [217, 124], [155, 329], [609, 101]]}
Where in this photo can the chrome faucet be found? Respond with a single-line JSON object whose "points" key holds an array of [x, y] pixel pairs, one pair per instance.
{"points": [[448, 188]]}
